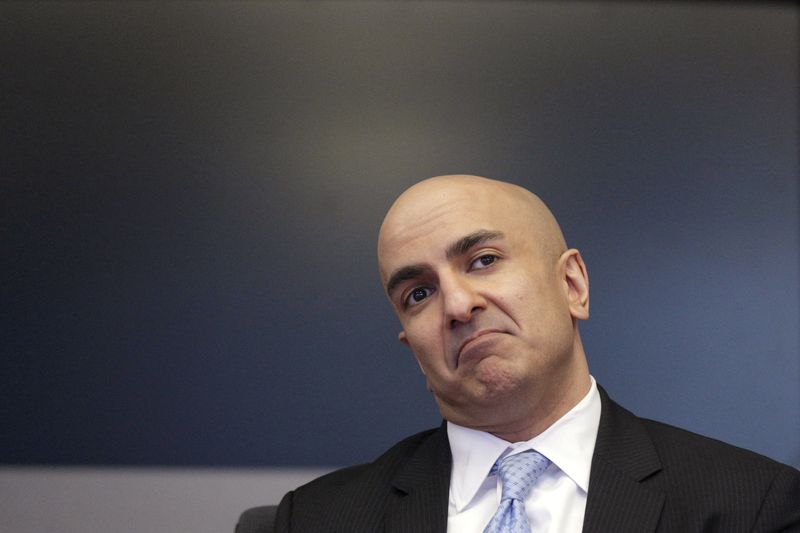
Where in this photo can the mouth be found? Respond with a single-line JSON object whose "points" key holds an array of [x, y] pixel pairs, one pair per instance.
{"points": [[472, 338]]}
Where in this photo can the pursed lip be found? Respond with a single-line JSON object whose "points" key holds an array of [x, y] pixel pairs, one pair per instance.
{"points": [[474, 336]]}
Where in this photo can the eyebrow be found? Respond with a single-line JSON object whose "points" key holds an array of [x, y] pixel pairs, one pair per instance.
{"points": [[460, 247], [465, 244], [404, 274]]}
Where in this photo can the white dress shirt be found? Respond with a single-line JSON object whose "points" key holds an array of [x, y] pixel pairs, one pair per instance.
{"points": [[557, 501]]}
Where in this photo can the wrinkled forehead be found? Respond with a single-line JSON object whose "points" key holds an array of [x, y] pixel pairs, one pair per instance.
{"points": [[429, 217]]}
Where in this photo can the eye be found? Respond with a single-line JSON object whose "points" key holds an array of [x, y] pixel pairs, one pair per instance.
{"points": [[483, 261], [417, 295]]}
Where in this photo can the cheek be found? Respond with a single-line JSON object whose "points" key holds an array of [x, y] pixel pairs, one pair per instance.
{"points": [[524, 285], [417, 335], [426, 343], [525, 300], [535, 308]]}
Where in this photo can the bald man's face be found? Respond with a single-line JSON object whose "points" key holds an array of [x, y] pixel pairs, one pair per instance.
{"points": [[484, 295]]}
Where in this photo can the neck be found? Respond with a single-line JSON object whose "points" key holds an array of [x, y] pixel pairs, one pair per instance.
{"points": [[546, 413]]}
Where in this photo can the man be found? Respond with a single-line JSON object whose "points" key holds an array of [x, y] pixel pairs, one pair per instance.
{"points": [[489, 298]]}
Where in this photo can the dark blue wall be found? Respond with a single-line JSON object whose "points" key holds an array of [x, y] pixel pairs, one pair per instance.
{"points": [[190, 198]]}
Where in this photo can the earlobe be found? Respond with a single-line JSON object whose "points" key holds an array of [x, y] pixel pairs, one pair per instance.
{"points": [[402, 337], [577, 284]]}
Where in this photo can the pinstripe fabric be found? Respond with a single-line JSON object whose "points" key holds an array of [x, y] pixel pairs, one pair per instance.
{"points": [[648, 476], [645, 477], [404, 490]]}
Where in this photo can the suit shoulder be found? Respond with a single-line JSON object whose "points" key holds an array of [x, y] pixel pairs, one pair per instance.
{"points": [[743, 489], [351, 498], [339, 482], [678, 450], [677, 444]]}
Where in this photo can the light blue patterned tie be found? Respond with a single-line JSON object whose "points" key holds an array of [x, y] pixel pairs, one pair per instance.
{"points": [[517, 474]]}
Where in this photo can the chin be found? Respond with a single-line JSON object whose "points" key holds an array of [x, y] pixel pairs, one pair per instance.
{"points": [[496, 380]]}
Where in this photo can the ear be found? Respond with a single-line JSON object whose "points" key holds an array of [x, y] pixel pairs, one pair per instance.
{"points": [[402, 337], [576, 283]]}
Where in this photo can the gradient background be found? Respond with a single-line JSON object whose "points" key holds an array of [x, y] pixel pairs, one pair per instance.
{"points": [[191, 193]]}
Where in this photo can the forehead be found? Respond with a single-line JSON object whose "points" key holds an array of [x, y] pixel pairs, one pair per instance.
{"points": [[421, 227]]}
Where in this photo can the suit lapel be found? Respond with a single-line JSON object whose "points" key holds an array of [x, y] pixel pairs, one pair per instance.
{"points": [[624, 456], [618, 500], [421, 489]]}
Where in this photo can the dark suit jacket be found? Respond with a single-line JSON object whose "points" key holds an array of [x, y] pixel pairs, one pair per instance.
{"points": [[645, 477]]}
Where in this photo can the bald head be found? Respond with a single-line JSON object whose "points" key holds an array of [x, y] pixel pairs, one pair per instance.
{"points": [[488, 297], [469, 196]]}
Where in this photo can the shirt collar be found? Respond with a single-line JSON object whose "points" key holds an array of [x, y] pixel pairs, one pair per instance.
{"points": [[568, 443]]}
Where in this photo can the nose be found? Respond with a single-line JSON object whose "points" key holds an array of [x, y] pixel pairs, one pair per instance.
{"points": [[461, 299]]}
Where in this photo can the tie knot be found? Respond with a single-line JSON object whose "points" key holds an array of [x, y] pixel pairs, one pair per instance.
{"points": [[519, 472]]}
